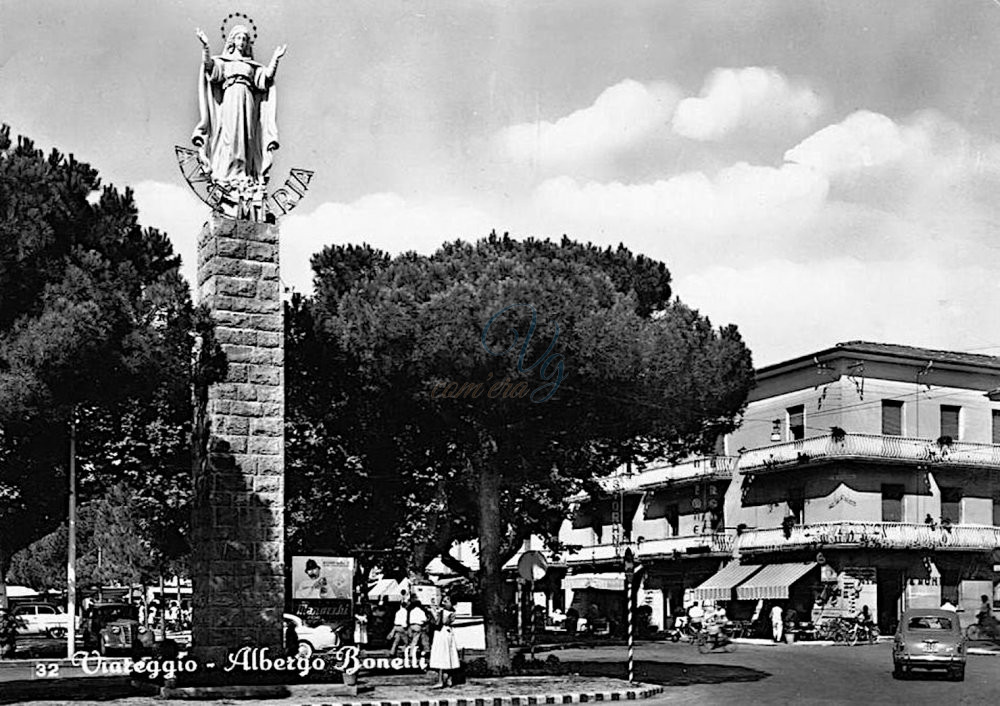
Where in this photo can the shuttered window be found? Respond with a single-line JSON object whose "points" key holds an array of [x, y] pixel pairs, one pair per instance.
{"points": [[996, 426], [892, 417], [949, 420]]}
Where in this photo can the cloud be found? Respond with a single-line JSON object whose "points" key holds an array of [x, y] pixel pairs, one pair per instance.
{"points": [[741, 211], [623, 116], [177, 212], [385, 220], [735, 102], [918, 303]]}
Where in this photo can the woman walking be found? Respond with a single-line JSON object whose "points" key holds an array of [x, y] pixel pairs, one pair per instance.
{"points": [[444, 649]]}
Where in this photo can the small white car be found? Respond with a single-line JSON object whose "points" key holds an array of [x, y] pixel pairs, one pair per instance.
{"points": [[318, 639], [42, 619]]}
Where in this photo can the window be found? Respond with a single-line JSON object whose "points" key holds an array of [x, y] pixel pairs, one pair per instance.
{"points": [[951, 505], [796, 504], [996, 426], [892, 417], [46, 610], [949, 420], [996, 508], [892, 503], [672, 517], [796, 422]]}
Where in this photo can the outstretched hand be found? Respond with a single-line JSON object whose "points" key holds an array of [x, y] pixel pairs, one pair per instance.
{"points": [[279, 52], [202, 38]]}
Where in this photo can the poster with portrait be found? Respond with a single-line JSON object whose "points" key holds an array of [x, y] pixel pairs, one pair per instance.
{"points": [[322, 578]]}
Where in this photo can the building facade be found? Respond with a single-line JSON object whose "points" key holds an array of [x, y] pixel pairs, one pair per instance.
{"points": [[863, 474]]}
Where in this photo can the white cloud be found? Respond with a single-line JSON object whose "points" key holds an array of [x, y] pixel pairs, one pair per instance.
{"points": [[735, 101], [177, 212], [622, 117], [786, 309], [386, 221], [862, 140], [691, 217]]}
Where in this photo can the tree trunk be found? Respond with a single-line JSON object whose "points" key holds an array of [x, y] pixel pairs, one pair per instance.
{"points": [[491, 570], [3, 581]]}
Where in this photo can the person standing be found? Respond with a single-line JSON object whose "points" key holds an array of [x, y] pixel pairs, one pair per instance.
{"points": [[418, 626], [777, 624], [444, 650], [399, 635]]}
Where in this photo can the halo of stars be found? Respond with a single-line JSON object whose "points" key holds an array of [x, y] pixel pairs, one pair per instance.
{"points": [[235, 17]]}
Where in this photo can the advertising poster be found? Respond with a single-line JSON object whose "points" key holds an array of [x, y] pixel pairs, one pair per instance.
{"points": [[322, 588]]}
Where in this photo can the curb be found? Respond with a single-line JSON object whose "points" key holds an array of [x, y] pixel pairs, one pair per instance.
{"points": [[642, 691]]}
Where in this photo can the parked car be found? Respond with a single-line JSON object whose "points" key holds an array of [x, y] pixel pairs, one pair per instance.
{"points": [[115, 627], [42, 619], [312, 639], [929, 638]]}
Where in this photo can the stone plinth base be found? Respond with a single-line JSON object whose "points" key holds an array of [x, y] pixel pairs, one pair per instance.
{"points": [[238, 528]]}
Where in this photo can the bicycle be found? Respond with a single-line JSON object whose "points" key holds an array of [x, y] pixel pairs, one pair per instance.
{"points": [[717, 641]]}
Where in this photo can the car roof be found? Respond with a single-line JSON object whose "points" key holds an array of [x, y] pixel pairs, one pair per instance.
{"points": [[929, 613]]}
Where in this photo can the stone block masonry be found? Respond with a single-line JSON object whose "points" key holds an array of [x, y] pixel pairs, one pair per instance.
{"points": [[238, 530]]}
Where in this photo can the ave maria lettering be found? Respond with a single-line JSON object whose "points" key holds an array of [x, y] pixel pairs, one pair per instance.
{"points": [[550, 368]]}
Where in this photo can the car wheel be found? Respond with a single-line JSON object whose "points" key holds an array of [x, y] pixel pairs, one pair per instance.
{"points": [[676, 637], [897, 672], [958, 674], [305, 649], [57, 633]]}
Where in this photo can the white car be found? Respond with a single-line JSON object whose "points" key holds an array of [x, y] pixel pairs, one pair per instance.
{"points": [[318, 639], [42, 619]]}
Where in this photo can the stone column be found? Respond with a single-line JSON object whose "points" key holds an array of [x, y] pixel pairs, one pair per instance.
{"points": [[238, 529]]}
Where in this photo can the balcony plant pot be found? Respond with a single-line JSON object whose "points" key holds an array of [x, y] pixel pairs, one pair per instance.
{"points": [[350, 679], [790, 638]]}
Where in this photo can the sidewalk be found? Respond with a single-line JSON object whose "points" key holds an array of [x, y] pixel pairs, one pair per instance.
{"points": [[396, 690]]}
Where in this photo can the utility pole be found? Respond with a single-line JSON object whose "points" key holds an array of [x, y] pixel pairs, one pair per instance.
{"points": [[71, 553]]}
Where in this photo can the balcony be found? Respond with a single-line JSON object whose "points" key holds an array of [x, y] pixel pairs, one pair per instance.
{"points": [[698, 544], [870, 447], [872, 535], [695, 470]]}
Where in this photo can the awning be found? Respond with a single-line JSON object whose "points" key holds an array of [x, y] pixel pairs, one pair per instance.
{"points": [[720, 587], [599, 582], [389, 589], [773, 581]]}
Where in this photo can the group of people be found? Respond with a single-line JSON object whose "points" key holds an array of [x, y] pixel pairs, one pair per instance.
{"points": [[176, 615], [431, 631]]}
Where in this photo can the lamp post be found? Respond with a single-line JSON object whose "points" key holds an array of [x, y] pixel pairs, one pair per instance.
{"points": [[71, 548], [629, 572]]}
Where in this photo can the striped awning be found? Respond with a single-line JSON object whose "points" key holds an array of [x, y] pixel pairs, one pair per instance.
{"points": [[720, 586], [598, 582], [773, 581]]}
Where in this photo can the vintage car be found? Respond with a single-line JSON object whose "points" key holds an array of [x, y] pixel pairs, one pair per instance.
{"points": [[311, 639], [929, 638], [115, 627], [42, 619]]}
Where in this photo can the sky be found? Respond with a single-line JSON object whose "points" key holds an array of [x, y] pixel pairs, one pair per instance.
{"points": [[811, 171]]}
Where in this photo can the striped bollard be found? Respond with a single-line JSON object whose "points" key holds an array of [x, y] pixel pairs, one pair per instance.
{"points": [[629, 569]]}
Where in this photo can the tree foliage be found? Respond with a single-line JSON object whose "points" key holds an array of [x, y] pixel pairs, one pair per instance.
{"points": [[484, 431], [97, 323]]}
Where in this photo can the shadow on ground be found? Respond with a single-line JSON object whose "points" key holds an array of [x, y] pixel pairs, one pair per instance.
{"points": [[67, 690], [668, 673]]}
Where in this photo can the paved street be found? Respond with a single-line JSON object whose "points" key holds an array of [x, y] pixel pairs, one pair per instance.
{"points": [[800, 674]]}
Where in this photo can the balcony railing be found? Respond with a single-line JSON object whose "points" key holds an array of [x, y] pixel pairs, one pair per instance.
{"points": [[699, 469], [870, 447], [716, 543], [872, 535]]}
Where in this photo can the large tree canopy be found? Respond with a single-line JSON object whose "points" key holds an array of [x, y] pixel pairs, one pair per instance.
{"points": [[96, 324], [489, 381]]}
